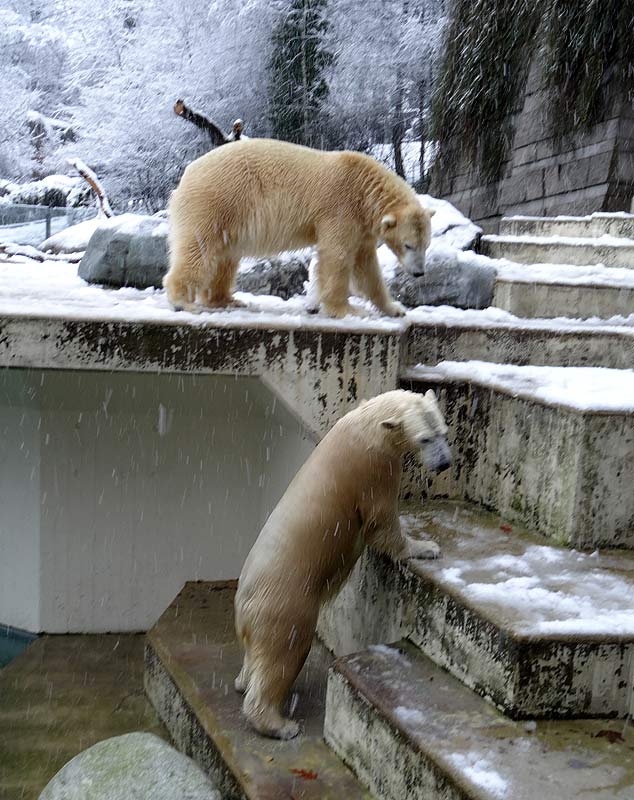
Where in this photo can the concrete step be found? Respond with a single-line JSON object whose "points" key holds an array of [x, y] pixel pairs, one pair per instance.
{"points": [[592, 226], [409, 730], [192, 658], [547, 290], [607, 250], [551, 448], [539, 630], [451, 334]]}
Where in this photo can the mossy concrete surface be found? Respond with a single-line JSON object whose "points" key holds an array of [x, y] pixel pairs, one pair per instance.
{"points": [[410, 730], [62, 695], [192, 659]]}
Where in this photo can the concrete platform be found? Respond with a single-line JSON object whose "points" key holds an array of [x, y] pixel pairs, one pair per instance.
{"points": [[409, 730], [560, 250], [62, 695], [593, 225], [552, 458], [539, 630], [474, 335], [192, 658]]}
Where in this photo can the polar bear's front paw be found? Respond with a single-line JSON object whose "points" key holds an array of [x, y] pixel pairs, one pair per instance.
{"points": [[394, 309], [423, 548]]}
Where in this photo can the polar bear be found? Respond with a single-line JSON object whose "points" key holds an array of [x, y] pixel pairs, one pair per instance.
{"points": [[343, 498], [261, 197]]}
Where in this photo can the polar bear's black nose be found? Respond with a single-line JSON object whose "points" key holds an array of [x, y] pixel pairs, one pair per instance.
{"points": [[418, 274], [443, 465]]}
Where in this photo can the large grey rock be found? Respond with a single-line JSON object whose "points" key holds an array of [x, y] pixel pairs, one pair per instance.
{"points": [[451, 278], [136, 766], [283, 276], [127, 250]]}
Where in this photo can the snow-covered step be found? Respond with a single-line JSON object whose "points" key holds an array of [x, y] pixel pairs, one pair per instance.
{"points": [[443, 333], [409, 730], [610, 251], [550, 447], [592, 226], [547, 290], [540, 630]]}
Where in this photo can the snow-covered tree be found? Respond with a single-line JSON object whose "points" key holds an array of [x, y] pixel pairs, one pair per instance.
{"points": [[299, 60]]}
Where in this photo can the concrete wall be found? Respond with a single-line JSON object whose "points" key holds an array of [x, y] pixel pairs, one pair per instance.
{"points": [[129, 485]]}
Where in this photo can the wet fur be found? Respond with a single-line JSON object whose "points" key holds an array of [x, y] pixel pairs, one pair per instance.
{"points": [[332, 509]]}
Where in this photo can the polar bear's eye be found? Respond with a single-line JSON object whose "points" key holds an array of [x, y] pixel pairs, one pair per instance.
{"points": [[425, 440], [409, 247]]}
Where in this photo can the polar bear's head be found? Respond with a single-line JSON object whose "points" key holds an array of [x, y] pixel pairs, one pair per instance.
{"points": [[406, 230], [409, 421]]}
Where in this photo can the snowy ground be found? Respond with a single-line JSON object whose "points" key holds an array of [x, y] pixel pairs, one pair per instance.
{"points": [[53, 289], [31, 233]]}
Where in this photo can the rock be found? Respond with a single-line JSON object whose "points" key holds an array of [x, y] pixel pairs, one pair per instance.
{"points": [[452, 278], [283, 276], [136, 765], [73, 239], [127, 250], [131, 250]]}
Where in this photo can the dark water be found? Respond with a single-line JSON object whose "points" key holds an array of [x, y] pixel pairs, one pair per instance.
{"points": [[12, 643]]}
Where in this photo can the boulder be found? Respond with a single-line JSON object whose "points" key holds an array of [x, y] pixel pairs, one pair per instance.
{"points": [[131, 250], [452, 278], [136, 765], [127, 250]]}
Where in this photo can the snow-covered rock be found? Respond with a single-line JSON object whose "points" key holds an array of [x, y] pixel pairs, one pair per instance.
{"points": [[127, 250], [72, 240], [133, 765], [53, 190]]}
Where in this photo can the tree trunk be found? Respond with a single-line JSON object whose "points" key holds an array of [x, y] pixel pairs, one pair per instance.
{"points": [[398, 126]]}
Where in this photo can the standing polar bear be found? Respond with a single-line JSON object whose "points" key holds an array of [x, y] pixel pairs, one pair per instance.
{"points": [[261, 197], [343, 498]]}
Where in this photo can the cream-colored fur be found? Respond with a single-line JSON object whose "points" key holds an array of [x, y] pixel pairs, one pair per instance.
{"points": [[343, 498], [261, 197]]}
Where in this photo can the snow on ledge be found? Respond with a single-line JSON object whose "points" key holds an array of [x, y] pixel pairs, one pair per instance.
{"points": [[581, 388], [493, 318], [605, 240], [52, 289], [565, 274]]}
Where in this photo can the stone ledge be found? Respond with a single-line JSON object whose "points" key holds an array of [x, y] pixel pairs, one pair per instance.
{"points": [[509, 453], [520, 343], [192, 658], [539, 630], [407, 729], [533, 250]]}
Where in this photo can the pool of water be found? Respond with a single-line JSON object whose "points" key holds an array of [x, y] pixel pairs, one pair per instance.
{"points": [[12, 643]]}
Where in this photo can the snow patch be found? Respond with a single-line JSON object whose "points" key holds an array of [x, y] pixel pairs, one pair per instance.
{"points": [[480, 772], [580, 388]]}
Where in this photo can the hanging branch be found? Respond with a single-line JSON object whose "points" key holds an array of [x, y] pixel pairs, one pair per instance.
{"points": [[93, 181]]}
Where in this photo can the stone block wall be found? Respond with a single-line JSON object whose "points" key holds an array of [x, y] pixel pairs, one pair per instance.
{"points": [[582, 173]]}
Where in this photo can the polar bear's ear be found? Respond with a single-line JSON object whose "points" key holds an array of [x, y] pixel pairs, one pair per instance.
{"points": [[390, 424], [430, 211], [388, 221], [430, 395]]}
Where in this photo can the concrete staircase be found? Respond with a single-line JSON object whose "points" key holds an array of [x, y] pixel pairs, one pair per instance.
{"points": [[506, 668], [566, 266]]}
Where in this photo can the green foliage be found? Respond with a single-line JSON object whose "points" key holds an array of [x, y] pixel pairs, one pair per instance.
{"points": [[299, 58], [588, 43], [490, 44]]}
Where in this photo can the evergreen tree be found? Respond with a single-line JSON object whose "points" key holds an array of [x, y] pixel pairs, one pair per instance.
{"points": [[299, 59]]}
